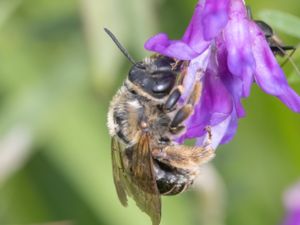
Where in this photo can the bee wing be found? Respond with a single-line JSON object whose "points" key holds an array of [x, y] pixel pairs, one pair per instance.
{"points": [[139, 180], [143, 186], [118, 170]]}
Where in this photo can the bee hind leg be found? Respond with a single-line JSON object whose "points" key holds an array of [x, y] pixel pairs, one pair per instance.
{"points": [[184, 157]]}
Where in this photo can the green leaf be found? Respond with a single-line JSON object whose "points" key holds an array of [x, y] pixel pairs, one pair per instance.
{"points": [[282, 21]]}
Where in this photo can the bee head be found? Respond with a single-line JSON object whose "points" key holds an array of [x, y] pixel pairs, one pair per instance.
{"points": [[268, 31], [154, 76]]}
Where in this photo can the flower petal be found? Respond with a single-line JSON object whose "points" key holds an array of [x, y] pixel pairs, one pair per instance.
{"points": [[268, 74], [215, 105], [218, 132], [195, 72], [292, 197], [193, 35], [160, 43], [234, 84], [215, 17], [292, 218], [231, 128], [237, 38], [190, 46], [292, 205], [235, 88]]}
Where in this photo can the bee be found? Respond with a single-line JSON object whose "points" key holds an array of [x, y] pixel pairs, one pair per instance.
{"points": [[275, 43], [143, 119], [277, 46]]}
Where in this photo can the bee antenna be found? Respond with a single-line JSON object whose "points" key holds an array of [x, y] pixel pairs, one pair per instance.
{"points": [[122, 49], [289, 58]]}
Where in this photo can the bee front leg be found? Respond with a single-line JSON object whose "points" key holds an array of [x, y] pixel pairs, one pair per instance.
{"points": [[183, 113], [173, 99]]}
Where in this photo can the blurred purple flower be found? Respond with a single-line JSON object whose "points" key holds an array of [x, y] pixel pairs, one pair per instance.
{"points": [[227, 52], [292, 205]]}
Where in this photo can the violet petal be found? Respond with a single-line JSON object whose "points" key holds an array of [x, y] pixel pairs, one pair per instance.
{"points": [[240, 58], [160, 43], [292, 205], [195, 72], [234, 84], [214, 107], [268, 74], [215, 17], [218, 133], [292, 218], [231, 128], [193, 35]]}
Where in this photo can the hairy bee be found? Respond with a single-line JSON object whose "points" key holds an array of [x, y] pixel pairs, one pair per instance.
{"points": [[143, 118]]}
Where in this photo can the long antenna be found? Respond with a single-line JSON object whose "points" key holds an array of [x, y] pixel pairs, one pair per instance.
{"points": [[289, 58], [122, 49]]}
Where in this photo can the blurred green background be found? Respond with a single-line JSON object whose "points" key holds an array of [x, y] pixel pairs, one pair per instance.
{"points": [[58, 72]]}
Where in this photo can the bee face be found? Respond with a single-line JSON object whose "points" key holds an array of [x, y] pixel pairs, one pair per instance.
{"points": [[155, 76]]}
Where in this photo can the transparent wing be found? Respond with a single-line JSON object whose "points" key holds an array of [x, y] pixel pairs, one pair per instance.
{"points": [[143, 186], [118, 170], [137, 178]]}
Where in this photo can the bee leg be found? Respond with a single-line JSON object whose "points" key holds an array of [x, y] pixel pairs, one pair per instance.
{"points": [[209, 138], [183, 113], [177, 130], [195, 95], [288, 48], [173, 99], [184, 157]]}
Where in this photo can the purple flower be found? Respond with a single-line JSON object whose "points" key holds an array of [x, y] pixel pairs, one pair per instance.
{"points": [[292, 205], [227, 53]]}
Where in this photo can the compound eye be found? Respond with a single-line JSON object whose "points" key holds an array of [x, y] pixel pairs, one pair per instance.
{"points": [[136, 74], [164, 84]]}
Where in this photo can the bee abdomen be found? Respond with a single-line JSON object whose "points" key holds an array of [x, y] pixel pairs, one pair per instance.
{"points": [[168, 188], [171, 181]]}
